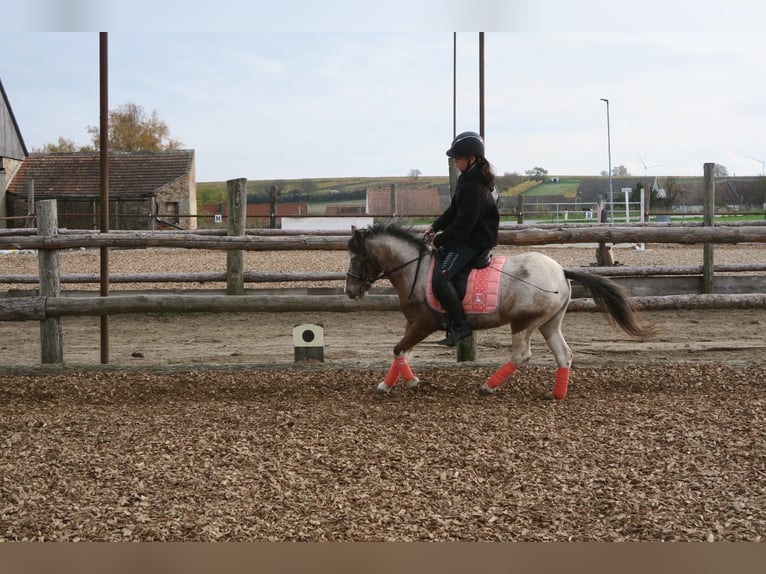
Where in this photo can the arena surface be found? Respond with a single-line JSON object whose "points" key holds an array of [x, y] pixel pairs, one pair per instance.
{"points": [[203, 428]]}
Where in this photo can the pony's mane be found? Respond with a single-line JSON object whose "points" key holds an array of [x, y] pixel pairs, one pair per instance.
{"points": [[397, 230]]}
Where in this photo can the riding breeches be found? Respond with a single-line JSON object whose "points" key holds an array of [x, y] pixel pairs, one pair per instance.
{"points": [[450, 263]]}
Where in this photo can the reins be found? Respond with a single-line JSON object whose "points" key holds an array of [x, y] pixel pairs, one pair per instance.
{"points": [[369, 280], [372, 278]]}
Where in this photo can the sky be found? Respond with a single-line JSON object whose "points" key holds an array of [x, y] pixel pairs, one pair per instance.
{"points": [[296, 90]]}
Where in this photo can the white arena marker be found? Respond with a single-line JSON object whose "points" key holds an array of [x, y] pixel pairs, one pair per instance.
{"points": [[308, 340]]}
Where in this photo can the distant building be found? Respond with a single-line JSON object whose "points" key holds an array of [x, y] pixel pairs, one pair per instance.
{"points": [[257, 214], [409, 201], [147, 189]]}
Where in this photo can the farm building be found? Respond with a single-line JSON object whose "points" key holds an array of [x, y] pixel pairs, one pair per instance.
{"points": [[409, 201], [12, 151], [147, 189]]}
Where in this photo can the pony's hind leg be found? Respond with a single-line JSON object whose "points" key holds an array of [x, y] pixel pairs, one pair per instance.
{"points": [[561, 351], [520, 353]]}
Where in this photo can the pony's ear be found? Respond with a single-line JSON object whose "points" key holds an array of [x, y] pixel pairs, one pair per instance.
{"points": [[353, 230]]}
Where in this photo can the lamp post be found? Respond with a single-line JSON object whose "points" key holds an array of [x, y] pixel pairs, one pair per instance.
{"points": [[609, 147]]}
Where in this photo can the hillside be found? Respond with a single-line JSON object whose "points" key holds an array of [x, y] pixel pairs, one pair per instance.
{"points": [[320, 189]]}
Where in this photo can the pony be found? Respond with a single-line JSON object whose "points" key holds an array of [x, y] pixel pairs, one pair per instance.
{"points": [[533, 294]]}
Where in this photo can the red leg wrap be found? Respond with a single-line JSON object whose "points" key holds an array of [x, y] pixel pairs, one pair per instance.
{"points": [[405, 371], [562, 382], [501, 374], [393, 373]]}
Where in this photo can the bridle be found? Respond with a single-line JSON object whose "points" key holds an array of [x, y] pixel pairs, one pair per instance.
{"points": [[371, 277]]}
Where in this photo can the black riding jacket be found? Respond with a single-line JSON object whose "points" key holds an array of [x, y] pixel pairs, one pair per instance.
{"points": [[472, 217]]}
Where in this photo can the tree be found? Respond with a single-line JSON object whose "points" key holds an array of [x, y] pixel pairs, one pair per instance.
{"points": [[414, 174], [620, 171], [673, 191], [64, 145], [508, 180], [130, 129], [537, 173], [720, 170]]}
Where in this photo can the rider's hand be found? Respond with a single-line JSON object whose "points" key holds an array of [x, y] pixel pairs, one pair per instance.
{"points": [[429, 234]]}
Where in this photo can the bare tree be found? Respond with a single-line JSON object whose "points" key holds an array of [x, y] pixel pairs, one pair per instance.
{"points": [[672, 191]]}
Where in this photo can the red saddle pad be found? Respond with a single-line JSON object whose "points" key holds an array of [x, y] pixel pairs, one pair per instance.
{"points": [[482, 292]]}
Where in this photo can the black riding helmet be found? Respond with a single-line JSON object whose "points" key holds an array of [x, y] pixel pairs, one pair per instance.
{"points": [[466, 144]]}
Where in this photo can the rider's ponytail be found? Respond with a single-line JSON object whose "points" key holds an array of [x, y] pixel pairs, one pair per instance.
{"points": [[487, 172]]}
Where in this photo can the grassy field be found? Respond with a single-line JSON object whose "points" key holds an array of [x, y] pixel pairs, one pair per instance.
{"points": [[564, 187]]}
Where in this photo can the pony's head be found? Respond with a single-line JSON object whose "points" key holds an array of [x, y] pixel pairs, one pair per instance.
{"points": [[365, 267]]}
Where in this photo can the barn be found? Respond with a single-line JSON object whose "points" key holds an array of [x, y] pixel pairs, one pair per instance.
{"points": [[147, 189], [12, 151]]}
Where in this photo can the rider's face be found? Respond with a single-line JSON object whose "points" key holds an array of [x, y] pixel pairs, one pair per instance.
{"points": [[461, 163]]}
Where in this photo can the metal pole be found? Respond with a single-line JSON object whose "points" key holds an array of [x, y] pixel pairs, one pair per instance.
{"points": [[609, 147], [481, 85], [454, 84], [450, 165], [104, 161], [708, 262]]}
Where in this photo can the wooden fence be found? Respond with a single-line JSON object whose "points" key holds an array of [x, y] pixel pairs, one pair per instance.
{"points": [[49, 306]]}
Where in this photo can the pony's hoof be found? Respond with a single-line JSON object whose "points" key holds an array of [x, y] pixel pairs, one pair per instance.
{"points": [[382, 388], [485, 389], [413, 384]]}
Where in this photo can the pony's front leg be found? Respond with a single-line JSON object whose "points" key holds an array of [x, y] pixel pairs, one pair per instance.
{"points": [[399, 368], [413, 334]]}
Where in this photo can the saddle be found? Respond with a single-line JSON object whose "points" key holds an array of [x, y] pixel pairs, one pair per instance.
{"points": [[478, 286]]}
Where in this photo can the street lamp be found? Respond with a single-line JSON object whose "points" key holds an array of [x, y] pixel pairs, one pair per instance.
{"points": [[763, 164], [609, 144]]}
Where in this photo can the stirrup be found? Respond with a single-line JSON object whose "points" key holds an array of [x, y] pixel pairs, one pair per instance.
{"points": [[452, 339]]}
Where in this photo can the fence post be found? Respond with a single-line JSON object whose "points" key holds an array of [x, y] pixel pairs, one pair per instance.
{"points": [[708, 221], [236, 190], [394, 210], [51, 341]]}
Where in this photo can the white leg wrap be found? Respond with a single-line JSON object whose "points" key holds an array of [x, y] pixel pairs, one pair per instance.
{"points": [[383, 388], [413, 384], [485, 389]]}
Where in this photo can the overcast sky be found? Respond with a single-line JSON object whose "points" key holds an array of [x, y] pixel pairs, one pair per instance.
{"points": [[341, 89]]}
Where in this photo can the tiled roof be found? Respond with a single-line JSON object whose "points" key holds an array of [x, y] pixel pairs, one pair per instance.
{"points": [[133, 174]]}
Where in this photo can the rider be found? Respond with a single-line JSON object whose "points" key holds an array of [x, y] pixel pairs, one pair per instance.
{"points": [[466, 229]]}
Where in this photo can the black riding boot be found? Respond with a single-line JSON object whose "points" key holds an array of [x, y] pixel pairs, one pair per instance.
{"points": [[458, 327], [460, 282]]}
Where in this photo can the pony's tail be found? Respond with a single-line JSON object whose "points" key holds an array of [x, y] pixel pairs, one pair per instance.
{"points": [[612, 300]]}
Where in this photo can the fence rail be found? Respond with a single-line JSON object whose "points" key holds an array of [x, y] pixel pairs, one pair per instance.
{"points": [[50, 306], [522, 236]]}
